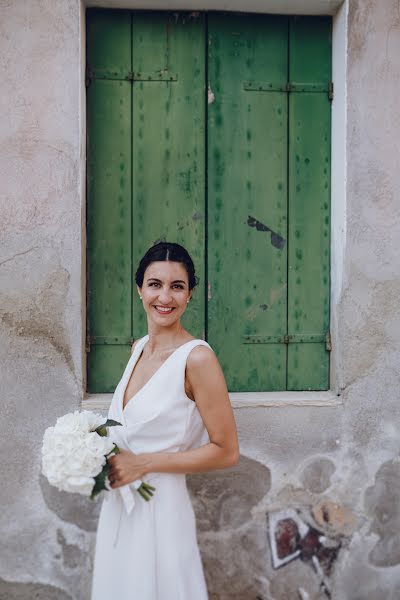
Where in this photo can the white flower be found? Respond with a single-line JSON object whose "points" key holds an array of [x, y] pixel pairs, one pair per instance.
{"points": [[79, 485], [73, 454], [83, 421]]}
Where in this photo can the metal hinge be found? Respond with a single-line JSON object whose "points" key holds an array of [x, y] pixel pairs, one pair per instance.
{"points": [[162, 75], [154, 76], [330, 91], [289, 87], [299, 338], [110, 340], [98, 340]]}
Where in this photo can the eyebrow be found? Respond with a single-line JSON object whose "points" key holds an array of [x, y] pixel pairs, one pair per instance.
{"points": [[159, 280]]}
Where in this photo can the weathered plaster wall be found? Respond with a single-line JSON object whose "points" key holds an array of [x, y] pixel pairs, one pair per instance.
{"points": [[41, 311], [335, 467]]}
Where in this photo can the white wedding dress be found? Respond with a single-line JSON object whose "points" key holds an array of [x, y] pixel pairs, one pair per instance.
{"points": [[148, 550]]}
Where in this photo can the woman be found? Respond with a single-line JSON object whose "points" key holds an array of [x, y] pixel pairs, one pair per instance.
{"points": [[176, 418]]}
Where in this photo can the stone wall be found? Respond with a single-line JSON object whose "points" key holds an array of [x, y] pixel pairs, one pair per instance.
{"points": [[312, 509]]}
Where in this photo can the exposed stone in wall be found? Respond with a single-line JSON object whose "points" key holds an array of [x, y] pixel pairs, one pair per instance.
{"points": [[316, 476], [234, 528], [382, 503], [233, 537], [295, 534], [72, 508], [333, 518], [223, 499], [295, 576], [71, 553], [354, 579], [13, 590], [235, 562]]}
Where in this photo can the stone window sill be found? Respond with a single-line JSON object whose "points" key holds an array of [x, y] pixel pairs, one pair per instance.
{"points": [[244, 400]]}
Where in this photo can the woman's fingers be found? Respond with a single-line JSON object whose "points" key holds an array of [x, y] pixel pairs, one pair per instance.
{"points": [[123, 469]]}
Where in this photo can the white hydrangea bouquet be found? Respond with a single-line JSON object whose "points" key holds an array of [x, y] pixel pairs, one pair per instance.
{"points": [[75, 454]]}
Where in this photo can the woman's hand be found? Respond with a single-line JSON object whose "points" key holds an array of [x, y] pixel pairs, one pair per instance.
{"points": [[125, 468]]}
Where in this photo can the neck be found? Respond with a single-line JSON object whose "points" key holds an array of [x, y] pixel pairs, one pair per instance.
{"points": [[163, 338]]}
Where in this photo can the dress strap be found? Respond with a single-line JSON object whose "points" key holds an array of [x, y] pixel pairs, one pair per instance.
{"points": [[193, 343], [184, 351], [140, 342]]}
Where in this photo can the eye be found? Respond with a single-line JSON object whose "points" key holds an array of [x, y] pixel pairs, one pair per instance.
{"points": [[178, 285], [153, 284]]}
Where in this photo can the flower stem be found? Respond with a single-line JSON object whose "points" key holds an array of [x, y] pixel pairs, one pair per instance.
{"points": [[146, 491]]}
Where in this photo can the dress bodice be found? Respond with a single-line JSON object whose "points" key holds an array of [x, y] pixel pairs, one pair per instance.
{"points": [[160, 417]]}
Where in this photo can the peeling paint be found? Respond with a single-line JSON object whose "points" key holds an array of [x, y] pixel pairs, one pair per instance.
{"points": [[40, 315], [16, 590], [223, 499], [71, 553], [316, 476], [382, 503], [276, 240], [333, 518], [292, 537], [210, 96], [71, 508], [225, 503]]}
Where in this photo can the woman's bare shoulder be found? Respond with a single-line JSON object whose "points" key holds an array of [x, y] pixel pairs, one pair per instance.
{"points": [[201, 357], [205, 377]]}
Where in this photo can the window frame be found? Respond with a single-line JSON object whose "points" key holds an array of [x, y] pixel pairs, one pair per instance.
{"points": [[339, 11]]}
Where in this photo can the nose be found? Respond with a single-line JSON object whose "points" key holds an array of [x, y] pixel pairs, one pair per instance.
{"points": [[165, 295]]}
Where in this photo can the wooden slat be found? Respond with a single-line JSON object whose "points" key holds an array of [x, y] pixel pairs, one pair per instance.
{"points": [[109, 198], [309, 204], [168, 146], [247, 195]]}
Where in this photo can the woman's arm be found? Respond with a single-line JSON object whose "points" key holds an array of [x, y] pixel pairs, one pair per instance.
{"points": [[207, 384], [208, 387]]}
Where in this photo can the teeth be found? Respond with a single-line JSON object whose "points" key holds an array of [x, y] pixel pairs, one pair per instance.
{"points": [[162, 309]]}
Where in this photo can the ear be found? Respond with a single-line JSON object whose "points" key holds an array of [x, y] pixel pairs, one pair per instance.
{"points": [[139, 290]]}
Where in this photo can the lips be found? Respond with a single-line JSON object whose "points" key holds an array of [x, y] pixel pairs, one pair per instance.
{"points": [[164, 310]]}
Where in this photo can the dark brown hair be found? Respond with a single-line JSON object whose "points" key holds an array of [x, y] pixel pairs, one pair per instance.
{"points": [[167, 251]]}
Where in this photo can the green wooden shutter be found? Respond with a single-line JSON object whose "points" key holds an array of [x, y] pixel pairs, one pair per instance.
{"points": [[145, 169], [243, 184], [268, 200], [109, 208]]}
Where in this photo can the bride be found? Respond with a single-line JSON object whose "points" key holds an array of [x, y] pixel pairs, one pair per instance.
{"points": [[173, 404]]}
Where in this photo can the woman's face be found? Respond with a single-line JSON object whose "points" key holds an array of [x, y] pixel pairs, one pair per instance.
{"points": [[165, 291]]}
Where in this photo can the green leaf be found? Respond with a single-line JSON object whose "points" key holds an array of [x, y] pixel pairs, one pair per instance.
{"points": [[102, 429], [111, 423], [100, 481]]}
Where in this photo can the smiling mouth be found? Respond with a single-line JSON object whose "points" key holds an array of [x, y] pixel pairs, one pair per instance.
{"points": [[164, 310]]}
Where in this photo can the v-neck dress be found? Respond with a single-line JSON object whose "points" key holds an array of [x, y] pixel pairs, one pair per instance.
{"points": [[148, 550]]}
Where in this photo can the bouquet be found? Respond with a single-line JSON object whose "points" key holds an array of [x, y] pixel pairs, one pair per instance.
{"points": [[75, 454]]}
